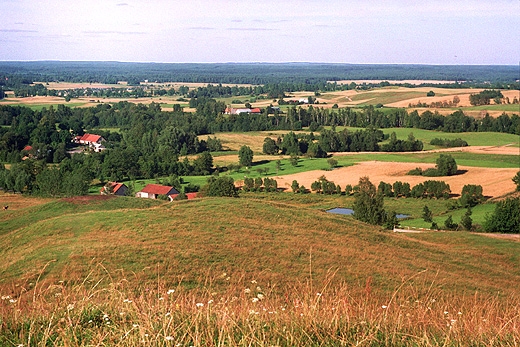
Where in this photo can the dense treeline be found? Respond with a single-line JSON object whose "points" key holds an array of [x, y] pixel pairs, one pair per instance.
{"points": [[251, 73], [150, 129]]}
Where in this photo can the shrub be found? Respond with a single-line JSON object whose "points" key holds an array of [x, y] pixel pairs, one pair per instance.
{"points": [[415, 172]]}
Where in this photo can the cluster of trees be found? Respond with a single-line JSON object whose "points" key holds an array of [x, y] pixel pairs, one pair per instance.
{"points": [[445, 166], [258, 184], [427, 189], [369, 205], [409, 145], [324, 186], [505, 217], [485, 96], [37, 178], [458, 142]]}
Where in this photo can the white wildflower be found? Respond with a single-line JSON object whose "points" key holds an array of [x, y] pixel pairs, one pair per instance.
{"points": [[247, 290], [384, 307], [199, 304], [169, 338], [170, 291], [260, 296], [318, 294], [210, 302], [12, 301], [254, 300], [70, 307], [253, 281]]}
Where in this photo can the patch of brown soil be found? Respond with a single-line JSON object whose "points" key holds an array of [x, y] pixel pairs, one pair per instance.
{"points": [[495, 182]]}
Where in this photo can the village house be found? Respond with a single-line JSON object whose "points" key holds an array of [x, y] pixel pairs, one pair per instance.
{"points": [[231, 110], [91, 140], [152, 191], [114, 188]]}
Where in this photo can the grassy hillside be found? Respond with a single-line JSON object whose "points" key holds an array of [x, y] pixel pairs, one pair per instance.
{"points": [[242, 272], [269, 240]]}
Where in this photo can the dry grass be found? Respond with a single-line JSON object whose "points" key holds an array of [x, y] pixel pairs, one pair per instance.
{"points": [[244, 312]]}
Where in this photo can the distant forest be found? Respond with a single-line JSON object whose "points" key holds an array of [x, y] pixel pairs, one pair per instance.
{"points": [[13, 74]]}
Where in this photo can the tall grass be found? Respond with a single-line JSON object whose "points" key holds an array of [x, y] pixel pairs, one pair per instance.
{"points": [[99, 311]]}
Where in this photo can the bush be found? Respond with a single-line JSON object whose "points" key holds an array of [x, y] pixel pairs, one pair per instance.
{"points": [[415, 172]]}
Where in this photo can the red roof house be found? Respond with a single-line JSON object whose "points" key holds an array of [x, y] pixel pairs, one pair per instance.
{"points": [[114, 188], [88, 139], [152, 191]]}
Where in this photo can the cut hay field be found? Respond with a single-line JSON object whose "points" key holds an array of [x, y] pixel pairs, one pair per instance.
{"points": [[244, 272]]}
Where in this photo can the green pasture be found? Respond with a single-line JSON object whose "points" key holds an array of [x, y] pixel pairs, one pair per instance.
{"points": [[501, 107], [478, 215]]}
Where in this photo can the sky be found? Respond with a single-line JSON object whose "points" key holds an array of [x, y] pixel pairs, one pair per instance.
{"points": [[217, 31]]}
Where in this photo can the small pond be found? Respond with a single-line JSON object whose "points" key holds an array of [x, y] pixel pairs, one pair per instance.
{"points": [[349, 212]]}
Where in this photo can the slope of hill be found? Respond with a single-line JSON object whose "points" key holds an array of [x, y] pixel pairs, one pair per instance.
{"points": [[273, 241], [242, 272]]}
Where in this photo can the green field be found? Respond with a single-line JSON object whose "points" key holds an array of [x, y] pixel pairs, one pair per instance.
{"points": [[478, 216]]}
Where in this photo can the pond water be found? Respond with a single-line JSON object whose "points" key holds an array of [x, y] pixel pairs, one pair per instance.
{"points": [[349, 212]]}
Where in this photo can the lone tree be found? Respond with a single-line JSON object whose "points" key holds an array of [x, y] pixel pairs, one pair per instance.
{"points": [[368, 204], [245, 156], [427, 214], [446, 165]]}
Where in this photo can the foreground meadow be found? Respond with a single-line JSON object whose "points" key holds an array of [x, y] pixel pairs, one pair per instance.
{"points": [[245, 272]]}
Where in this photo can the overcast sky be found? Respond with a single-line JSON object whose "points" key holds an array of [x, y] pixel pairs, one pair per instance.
{"points": [[357, 31]]}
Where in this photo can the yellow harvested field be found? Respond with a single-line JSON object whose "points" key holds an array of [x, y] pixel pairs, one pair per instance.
{"points": [[495, 182]]}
